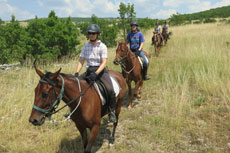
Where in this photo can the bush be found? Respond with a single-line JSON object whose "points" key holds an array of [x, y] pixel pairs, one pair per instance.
{"points": [[13, 39], [50, 38], [209, 20]]}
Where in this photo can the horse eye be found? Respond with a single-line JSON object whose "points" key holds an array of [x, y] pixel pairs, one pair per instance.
{"points": [[44, 95]]}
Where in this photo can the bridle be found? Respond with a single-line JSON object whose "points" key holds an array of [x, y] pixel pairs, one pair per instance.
{"points": [[52, 109], [48, 112], [122, 61]]}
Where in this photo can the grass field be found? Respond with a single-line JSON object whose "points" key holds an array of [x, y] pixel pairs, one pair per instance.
{"points": [[185, 106]]}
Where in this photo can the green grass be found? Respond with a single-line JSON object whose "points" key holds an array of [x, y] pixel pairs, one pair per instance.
{"points": [[184, 107]]}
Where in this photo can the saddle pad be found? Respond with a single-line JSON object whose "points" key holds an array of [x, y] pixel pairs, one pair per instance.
{"points": [[140, 62], [116, 88]]}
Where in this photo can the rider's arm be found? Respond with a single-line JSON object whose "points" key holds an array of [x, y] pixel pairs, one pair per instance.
{"points": [[80, 64], [102, 66], [141, 46]]}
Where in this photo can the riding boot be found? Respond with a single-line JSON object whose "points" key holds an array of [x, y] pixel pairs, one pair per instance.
{"points": [[145, 69], [112, 107]]}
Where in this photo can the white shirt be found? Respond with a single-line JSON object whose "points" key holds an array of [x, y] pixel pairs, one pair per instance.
{"points": [[94, 53], [157, 29]]}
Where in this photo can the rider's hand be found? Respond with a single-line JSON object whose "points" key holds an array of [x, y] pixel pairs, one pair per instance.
{"points": [[93, 76], [76, 74], [137, 53]]}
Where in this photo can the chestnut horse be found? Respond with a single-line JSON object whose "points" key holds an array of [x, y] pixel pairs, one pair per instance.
{"points": [[131, 69], [166, 36], [82, 98], [156, 41]]}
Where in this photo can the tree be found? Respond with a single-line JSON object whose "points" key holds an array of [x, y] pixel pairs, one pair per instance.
{"points": [[127, 14], [177, 19], [13, 42]]}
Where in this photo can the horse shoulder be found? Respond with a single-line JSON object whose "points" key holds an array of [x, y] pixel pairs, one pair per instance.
{"points": [[90, 105]]}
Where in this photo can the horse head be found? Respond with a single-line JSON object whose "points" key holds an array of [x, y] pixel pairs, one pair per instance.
{"points": [[122, 52], [46, 97], [155, 39]]}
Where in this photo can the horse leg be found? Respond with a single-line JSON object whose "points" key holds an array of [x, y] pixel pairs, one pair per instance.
{"points": [[118, 110], [93, 134], [130, 94], [137, 89], [83, 133], [158, 50], [140, 88], [155, 46]]}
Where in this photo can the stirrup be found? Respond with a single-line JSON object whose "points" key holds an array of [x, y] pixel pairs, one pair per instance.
{"points": [[112, 117]]}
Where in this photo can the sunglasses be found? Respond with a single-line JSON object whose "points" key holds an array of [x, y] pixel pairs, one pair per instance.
{"points": [[91, 33]]}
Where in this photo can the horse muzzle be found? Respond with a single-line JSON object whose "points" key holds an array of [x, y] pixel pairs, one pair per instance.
{"points": [[37, 122]]}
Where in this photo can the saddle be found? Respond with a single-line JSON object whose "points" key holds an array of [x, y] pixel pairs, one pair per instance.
{"points": [[103, 92]]}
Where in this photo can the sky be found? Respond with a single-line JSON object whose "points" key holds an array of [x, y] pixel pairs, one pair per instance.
{"points": [[160, 9]]}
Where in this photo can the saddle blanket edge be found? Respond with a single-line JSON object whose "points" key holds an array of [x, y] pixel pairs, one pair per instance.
{"points": [[116, 88]]}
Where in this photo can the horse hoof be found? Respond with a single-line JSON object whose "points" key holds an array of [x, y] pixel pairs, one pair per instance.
{"points": [[138, 96], [130, 107]]}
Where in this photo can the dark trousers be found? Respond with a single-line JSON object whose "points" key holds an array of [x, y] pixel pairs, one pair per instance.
{"points": [[103, 76]]}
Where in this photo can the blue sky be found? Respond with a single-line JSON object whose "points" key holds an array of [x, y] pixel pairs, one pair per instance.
{"points": [[161, 9]]}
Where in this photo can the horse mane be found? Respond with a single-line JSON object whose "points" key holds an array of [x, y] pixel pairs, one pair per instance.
{"points": [[48, 74]]}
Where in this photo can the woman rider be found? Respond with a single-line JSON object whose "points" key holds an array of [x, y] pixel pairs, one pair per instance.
{"points": [[165, 29], [136, 40], [96, 54], [157, 30]]}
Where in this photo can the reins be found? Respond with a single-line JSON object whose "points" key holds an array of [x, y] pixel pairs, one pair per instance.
{"points": [[123, 66], [49, 112], [79, 96]]}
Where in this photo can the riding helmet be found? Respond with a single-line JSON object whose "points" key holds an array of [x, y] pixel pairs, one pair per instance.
{"points": [[134, 23], [93, 28]]}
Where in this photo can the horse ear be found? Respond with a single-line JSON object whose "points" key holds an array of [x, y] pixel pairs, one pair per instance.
{"points": [[39, 72], [55, 74]]}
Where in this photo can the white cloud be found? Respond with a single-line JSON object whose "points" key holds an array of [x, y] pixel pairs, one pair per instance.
{"points": [[173, 3], [199, 6], [145, 6], [105, 8], [163, 14], [83, 8], [222, 3], [178, 3], [7, 10]]}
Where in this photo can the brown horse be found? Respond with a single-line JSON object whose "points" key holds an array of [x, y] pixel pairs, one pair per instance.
{"points": [[131, 69], [82, 98], [156, 41], [166, 36]]}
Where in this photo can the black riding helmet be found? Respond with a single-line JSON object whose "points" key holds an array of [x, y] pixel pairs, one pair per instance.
{"points": [[93, 28], [134, 23]]}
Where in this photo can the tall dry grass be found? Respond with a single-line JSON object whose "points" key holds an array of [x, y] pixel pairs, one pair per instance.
{"points": [[184, 108]]}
